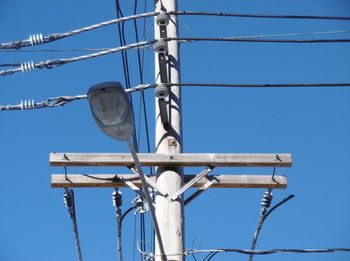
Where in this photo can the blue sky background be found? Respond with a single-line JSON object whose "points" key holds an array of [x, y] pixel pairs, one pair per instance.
{"points": [[311, 123]]}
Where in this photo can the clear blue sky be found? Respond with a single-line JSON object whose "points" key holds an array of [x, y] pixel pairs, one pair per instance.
{"points": [[312, 124]]}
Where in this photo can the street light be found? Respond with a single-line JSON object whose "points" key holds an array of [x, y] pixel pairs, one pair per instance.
{"points": [[113, 114]]}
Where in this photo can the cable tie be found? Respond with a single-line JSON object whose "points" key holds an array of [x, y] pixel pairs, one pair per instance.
{"points": [[36, 39]]}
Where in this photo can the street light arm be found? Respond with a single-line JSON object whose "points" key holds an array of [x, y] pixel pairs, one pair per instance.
{"points": [[148, 197]]}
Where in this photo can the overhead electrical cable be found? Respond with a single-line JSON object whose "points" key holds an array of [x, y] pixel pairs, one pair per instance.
{"points": [[57, 36], [150, 256], [28, 66], [187, 28], [54, 50], [30, 104], [49, 64], [68, 197], [242, 15], [37, 39], [125, 62]]}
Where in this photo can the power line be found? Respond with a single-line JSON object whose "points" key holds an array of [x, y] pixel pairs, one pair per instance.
{"points": [[265, 252], [187, 28], [250, 252], [28, 66], [242, 15], [70, 204], [40, 39], [63, 100], [49, 103], [36, 39], [58, 62], [54, 50], [253, 40]]}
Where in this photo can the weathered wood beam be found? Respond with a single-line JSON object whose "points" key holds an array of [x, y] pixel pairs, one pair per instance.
{"points": [[172, 160], [112, 180]]}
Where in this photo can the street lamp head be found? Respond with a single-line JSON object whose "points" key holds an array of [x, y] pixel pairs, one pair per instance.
{"points": [[111, 110]]}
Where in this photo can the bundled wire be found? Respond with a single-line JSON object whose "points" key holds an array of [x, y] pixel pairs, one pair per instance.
{"points": [[70, 204]]}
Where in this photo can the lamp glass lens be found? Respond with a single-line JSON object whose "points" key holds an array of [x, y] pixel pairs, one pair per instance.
{"points": [[109, 108]]}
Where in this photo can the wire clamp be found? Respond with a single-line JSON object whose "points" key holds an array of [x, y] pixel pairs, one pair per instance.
{"points": [[36, 39], [141, 205]]}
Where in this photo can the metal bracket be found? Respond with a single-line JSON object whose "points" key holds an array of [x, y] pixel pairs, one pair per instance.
{"points": [[211, 180], [134, 188], [152, 184], [191, 182]]}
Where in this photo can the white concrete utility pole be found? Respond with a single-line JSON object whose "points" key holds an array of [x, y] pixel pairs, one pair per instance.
{"points": [[169, 137]]}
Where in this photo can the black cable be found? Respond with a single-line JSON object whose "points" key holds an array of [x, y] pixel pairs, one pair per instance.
{"points": [[125, 61], [312, 17], [268, 252], [252, 40], [213, 254]]}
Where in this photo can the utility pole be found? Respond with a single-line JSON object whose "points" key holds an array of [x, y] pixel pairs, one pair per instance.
{"points": [[169, 140]]}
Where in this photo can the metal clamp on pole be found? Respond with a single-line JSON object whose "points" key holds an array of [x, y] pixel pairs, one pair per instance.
{"points": [[162, 21], [161, 47]]}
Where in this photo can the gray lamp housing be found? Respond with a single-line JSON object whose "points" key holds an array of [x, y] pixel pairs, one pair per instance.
{"points": [[111, 110]]}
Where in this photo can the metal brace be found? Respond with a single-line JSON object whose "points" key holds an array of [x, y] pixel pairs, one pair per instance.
{"points": [[191, 182], [152, 184], [211, 180], [133, 187]]}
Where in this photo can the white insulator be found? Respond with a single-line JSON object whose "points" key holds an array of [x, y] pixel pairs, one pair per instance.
{"points": [[36, 39], [28, 66], [27, 104]]}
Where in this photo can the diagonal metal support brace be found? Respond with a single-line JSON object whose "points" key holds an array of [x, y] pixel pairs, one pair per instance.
{"points": [[211, 180], [134, 188], [151, 183], [191, 182]]}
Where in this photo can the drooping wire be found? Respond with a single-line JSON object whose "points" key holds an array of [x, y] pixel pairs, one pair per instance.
{"points": [[68, 197], [142, 102], [265, 204], [125, 61]]}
